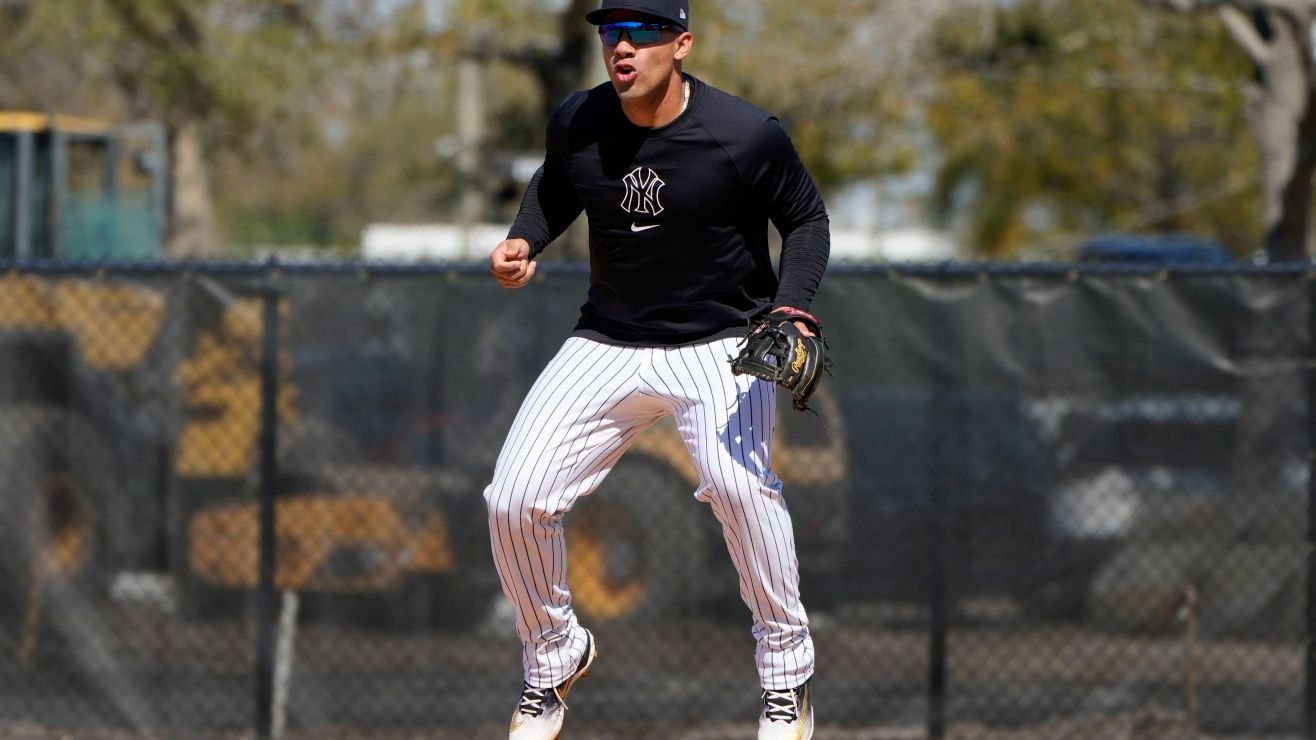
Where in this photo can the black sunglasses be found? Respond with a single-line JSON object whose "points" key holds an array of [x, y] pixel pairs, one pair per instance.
{"points": [[638, 31]]}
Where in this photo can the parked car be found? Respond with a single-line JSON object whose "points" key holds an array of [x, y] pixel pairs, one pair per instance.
{"points": [[1170, 249]]}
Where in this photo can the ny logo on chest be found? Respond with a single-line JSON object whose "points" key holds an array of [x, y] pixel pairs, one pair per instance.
{"points": [[642, 192]]}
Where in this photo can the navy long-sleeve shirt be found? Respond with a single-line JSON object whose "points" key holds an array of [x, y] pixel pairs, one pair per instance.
{"points": [[678, 216]]}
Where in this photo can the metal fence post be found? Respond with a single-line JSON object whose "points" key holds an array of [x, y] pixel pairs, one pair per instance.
{"points": [[946, 445], [1309, 687], [939, 555], [269, 428]]}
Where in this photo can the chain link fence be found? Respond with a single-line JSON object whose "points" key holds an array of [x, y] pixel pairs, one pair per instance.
{"points": [[1065, 501]]}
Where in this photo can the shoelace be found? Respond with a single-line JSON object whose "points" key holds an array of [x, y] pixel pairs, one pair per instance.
{"points": [[780, 705], [532, 701]]}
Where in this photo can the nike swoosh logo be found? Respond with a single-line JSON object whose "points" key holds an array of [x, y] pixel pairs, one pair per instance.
{"points": [[637, 228]]}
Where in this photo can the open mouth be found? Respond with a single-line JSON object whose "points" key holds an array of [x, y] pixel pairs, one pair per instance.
{"points": [[625, 72]]}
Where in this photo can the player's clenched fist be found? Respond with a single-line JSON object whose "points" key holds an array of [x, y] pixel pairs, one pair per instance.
{"points": [[510, 263]]}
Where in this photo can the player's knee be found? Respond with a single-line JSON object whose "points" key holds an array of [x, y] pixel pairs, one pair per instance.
{"points": [[499, 504], [508, 505], [744, 488]]}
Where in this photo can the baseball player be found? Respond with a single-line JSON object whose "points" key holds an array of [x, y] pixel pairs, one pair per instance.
{"points": [[679, 181]]}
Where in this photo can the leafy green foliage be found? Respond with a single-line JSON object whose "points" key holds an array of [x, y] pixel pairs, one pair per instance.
{"points": [[1062, 119], [1043, 120], [819, 67]]}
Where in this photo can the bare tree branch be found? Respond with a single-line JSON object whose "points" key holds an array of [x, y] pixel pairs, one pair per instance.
{"points": [[1279, 36], [1293, 7], [1240, 26]]}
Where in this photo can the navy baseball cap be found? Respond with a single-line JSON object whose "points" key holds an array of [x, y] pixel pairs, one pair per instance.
{"points": [[675, 12]]}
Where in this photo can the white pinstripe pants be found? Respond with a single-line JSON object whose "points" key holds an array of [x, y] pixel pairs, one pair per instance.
{"points": [[588, 405]]}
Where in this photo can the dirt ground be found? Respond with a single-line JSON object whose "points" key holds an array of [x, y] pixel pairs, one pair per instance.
{"points": [[460, 686], [1143, 726]]}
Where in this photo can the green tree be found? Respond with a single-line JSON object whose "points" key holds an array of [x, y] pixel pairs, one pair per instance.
{"points": [[1058, 119], [1279, 37], [825, 69], [836, 99], [213, 72]]}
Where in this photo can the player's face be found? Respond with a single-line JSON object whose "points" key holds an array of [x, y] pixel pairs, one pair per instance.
{"points": [[641, 66]]}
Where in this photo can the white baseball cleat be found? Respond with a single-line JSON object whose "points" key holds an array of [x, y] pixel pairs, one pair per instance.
{"points": [[787, 714], [540, 713]]}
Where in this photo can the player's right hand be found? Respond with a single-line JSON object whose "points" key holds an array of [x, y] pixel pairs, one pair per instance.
{"points": [[510, 263]]}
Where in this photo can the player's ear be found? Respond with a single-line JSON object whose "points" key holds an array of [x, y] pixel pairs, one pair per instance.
{"points": [[683, 44]]}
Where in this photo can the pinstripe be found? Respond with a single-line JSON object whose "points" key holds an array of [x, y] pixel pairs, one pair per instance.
{"points": [[770, 511], [555, 571], [547, 389], [780, 570], [584, 367], [740, 477], [504, 549], [722, 481], [589, 404]]}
